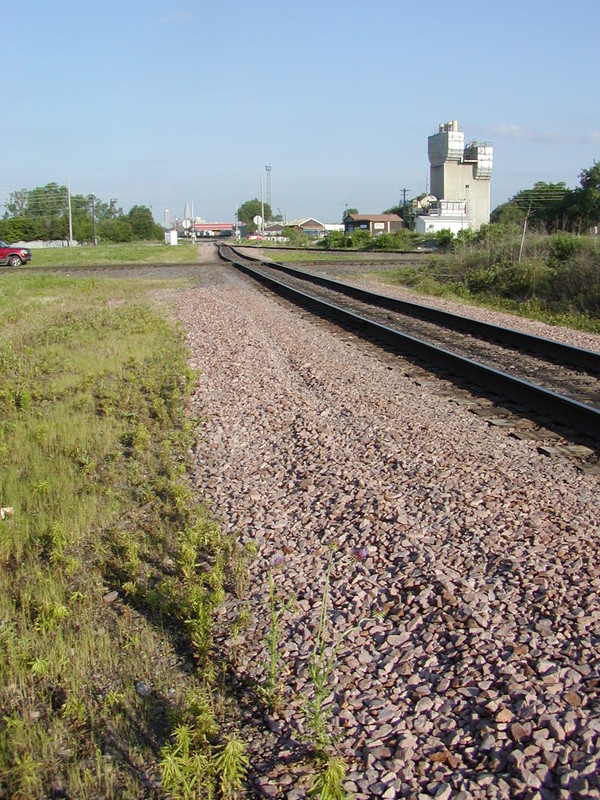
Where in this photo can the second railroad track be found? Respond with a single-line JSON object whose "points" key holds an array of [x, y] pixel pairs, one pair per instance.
{"points": [[548, 379]]}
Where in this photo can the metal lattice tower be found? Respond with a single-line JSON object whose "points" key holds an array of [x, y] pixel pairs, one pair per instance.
{"points": [[268, 171]]}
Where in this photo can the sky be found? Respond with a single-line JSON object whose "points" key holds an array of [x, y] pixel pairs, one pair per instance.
{"points": [[187, 101]]}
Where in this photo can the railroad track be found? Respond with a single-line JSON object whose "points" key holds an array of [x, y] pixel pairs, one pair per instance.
{"points": [[551, 381]]}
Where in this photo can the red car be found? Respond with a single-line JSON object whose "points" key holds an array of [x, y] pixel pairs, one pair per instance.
{"points": [[13, 255]]}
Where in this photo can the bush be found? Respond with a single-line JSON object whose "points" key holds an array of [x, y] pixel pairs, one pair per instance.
{"points": [[444, 238], [513, 281], [361, 239], [336, 240], [385, 241], [465, 236], [563, 246]]}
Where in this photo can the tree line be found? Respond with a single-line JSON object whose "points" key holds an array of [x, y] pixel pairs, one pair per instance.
{"points": [[43, 214], [553, 207]]}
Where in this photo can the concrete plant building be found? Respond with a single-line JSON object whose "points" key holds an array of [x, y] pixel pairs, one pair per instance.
{"points": [[460, 181]]}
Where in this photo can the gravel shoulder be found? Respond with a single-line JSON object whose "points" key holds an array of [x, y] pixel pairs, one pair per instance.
{"points": [[464, 564]]}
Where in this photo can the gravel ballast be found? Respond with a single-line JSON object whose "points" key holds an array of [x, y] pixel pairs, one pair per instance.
{"points": [[464, 564]]}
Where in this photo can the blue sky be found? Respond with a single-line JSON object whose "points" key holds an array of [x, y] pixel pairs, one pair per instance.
{"points": [[163, 103]]}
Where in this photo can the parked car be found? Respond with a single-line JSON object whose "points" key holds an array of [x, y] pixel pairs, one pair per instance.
{"points": [[13, 255]]}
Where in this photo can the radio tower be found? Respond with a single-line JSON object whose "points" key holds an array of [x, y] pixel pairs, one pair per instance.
{"points": [[268, 170]]}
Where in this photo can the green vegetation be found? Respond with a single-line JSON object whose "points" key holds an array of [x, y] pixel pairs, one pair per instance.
{"points": [[555, 278], [130, 253], [272, 690], [401, 241], [253, 208], [329, 780], [43, 213], [553, 207], [110, 569]]}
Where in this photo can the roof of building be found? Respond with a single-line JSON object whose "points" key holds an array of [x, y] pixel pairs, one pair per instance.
{"points": [[374, 217], [212, 226], [301, 221]]}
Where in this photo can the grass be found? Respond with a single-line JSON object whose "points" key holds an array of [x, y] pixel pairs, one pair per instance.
{"points": [[95, 687], [435, 282], [105, 254]]}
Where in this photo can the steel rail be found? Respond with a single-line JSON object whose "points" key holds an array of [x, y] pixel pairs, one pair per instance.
{"points": [[583, 419], [549, 348]]}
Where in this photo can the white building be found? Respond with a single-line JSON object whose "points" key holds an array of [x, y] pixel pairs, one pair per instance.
{"points": [[444, 215]]}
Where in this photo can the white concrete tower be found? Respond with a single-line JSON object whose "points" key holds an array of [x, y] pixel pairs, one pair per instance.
{"points": [[461, 174]]}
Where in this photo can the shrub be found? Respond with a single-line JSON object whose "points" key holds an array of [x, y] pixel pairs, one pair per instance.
{"points": [[444, 238], [563, 246], [336, 240], [386, 241], [361, 239]]}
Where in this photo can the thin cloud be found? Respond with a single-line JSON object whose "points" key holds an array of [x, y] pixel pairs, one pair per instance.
{"points": [[544, 137]]}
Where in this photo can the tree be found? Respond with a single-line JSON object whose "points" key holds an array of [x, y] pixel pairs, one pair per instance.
{"points": [[115, 230], [587, 195], [108, 210], [17, 204], [47, 201], [508, 213], [545, 205], [349, 211], [142, 223], [250, 209]]}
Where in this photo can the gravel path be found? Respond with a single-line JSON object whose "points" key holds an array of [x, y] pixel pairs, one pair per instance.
{"points": [[468, 561]]}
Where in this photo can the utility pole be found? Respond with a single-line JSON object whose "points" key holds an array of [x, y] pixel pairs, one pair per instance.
{"points": [[404, 191], [524, 230], [94, 220], [70, 219], [262, 208], [268, 171]]}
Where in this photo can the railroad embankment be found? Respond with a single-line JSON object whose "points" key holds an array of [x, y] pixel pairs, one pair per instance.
{"points": [[459, 565]]}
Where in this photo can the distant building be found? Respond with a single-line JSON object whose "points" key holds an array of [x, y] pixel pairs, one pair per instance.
{"points": [[167, 218], [459, 176], [209, 229], [310, 227], [274, 230], [443, 215], [375, 224]]}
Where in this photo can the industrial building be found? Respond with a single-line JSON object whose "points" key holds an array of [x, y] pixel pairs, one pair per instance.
{"points": [[459, 182], [375, 224]]}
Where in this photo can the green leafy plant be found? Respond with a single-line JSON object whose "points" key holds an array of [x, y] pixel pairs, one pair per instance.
{"points": [[187, 772], [329, 780], [323, 661], [232, 767], [272, 689]]}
